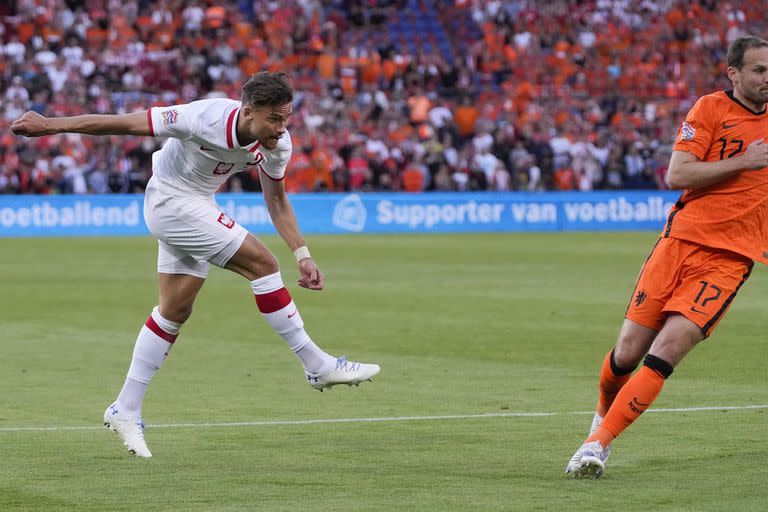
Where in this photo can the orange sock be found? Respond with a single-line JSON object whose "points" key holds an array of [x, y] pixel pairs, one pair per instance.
{"points": [[633, 399], [612, 379]]}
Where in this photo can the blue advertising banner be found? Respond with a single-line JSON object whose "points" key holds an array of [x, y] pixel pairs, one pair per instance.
{"points": [[27, 216]]}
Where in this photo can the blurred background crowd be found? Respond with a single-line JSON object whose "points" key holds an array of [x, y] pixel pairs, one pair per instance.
{"points": [[398, 95]]}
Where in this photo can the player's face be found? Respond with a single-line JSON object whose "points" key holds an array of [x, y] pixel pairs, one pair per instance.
{"points": [[751, 81], [268, 124]]}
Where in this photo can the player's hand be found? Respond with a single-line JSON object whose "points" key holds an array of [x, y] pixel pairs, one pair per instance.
{"points": [[311, 277], [756, 155], [31, 124]]}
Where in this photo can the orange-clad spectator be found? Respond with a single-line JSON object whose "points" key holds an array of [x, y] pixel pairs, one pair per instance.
{"points": [[326, 65], [413, 179], [143, 24], [418, 106], [296, 172], [25, 30], [348, 81], [401, 133], [388, 69], [215, 17], [564, 179], [370, 69], [242, 30], [97, 37], [323, 159], [466, 116], [250, 65]]}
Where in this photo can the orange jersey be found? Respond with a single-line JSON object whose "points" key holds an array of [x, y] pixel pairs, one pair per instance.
{"points": [[732, 214]]}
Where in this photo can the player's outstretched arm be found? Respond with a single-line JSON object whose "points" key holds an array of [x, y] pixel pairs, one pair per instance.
{"points": [[686, 171], [32, 124], [283, 217]]}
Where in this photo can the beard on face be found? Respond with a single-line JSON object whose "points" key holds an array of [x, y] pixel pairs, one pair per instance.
{"points": [[757, 95]]}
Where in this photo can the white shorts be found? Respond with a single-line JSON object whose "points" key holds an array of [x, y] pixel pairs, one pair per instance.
{"points": [[192, 231]]}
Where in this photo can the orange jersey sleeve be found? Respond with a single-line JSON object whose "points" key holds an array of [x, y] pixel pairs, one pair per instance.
{"points": [[697, 132]]}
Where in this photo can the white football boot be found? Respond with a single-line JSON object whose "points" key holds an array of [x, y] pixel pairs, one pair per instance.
{"points": [[596, 421], [345, 372], [588, 461], [129, 427]]}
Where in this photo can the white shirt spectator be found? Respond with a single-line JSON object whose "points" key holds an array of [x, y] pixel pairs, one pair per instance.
{"points": [[534, 178], [58, 76], [15, 51], [587, 38], [193, 17], [45, 58], [378, 148], [14, 109], [523, 40], [461, 179], [487, 163], [451, 156], [634, 164], [439, 116], [600, 153], [73, 55], [501, 178], [16, 90], [560, 145], [482, 142]]}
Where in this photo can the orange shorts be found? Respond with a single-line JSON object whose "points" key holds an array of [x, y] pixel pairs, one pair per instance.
{"points": [[693, 280]]}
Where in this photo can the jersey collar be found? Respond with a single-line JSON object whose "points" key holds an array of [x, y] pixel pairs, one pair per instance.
{"points": [[232, 142], [730, 94]]}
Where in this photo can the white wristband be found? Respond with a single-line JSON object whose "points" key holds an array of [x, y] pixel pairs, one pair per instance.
{"points": [[301, 253]]}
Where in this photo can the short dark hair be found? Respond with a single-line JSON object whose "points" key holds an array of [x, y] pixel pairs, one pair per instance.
{"points": [[740, 46], [265, 89]]}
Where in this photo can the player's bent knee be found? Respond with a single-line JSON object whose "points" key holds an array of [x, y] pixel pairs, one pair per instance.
{"points": [[622, 366], [625, 359]]}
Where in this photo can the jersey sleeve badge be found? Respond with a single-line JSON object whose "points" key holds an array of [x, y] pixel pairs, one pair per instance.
{"points": [[686, 132], [169, 116]]}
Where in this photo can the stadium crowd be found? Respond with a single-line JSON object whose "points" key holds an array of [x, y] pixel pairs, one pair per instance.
{"points": [[390, 94]]}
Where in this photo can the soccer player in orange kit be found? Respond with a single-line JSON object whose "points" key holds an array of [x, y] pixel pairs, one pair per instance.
{"points": [[713, 235]]}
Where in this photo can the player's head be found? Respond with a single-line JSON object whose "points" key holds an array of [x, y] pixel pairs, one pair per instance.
{"points": [[267, 102], [748, 69]]}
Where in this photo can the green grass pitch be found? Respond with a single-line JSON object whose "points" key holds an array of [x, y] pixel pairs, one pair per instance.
{"points": [[462, 325]]}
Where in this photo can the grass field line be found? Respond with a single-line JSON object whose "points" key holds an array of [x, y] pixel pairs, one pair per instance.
{"points": [[267, 423]]}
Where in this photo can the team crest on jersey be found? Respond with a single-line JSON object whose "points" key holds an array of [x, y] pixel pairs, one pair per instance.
{"points": [[226, 221], [686, 131], [169, 116]]}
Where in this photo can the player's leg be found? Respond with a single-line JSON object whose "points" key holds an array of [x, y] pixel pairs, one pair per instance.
{"points": [[633, 343], [154, 342], [255, 262], [158, 335], [678, 336], [643, 320], [180, 278]]}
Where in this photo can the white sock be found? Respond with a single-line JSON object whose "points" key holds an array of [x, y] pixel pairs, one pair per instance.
{"points": [[155, 340], [283, 316]]}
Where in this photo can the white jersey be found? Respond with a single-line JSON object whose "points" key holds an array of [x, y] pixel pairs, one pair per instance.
{"points": [[203, 151]]}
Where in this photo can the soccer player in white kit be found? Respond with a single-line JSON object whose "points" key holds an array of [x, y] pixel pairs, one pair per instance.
{"points": [[208, 141]]}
